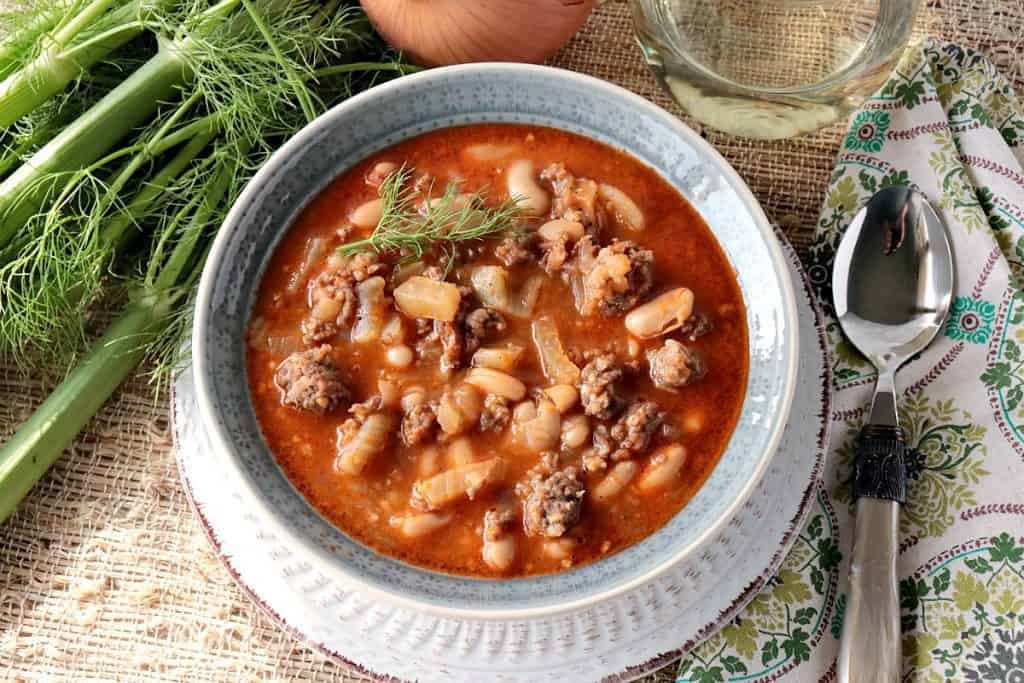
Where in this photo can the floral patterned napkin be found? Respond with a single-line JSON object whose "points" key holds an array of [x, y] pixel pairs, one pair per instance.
{"points": [[950, 125]]}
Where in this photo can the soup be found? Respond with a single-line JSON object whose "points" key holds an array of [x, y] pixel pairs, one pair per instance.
{"points": [[498, 350]]}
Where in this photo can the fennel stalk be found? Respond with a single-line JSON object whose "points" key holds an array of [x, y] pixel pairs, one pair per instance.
{"points": [[132, 190]]}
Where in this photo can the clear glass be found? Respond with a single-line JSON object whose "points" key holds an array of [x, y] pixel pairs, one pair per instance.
{"points": [[772, 68]]}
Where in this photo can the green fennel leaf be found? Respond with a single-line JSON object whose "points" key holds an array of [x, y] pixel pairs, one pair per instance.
{"points": [[412, 228]]}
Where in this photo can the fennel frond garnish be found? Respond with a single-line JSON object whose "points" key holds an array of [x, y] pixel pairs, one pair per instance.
{"points": [[412, 228]]}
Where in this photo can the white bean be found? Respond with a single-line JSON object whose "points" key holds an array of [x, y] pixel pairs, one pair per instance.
{"points": [[621, 206], [380, 171], [458, 410], [496, 382], [419, 524], [503, 359], [460, 452], [449, 417], [500, 554], [615, 481], [486, 151], [558, 228], [522, 184], [693, 421], [537, 427], [367, 216], [429, 462], [575, 431], [662, 314], [399, 356], [469, 400], [371, 438], [558, 548], [564, 396], [524, 412], [663, 468]]}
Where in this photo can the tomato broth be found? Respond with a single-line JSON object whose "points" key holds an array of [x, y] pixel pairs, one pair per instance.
{"points": [[417, 444]]}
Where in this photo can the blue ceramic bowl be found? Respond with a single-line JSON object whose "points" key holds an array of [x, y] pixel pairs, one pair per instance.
{"points": [[485, 93]]}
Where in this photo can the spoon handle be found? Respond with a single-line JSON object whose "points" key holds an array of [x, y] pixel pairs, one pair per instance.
{"points": [[870, 649]]}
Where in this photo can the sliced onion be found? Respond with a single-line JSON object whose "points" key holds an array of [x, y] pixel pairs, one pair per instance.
{"points": [[372, 309], [491, 286], [553, 360], [527, 298], [421, 297], [284, 345], [314, 252], [463, 481], [496, 358]]}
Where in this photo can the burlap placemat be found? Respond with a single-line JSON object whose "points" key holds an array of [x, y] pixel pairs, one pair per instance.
{"points": [[104, 574]]}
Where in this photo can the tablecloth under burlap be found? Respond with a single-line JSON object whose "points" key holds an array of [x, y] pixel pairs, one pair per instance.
{"points": [[104, 574]]}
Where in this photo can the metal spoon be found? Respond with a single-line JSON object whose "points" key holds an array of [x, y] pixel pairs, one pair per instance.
{"points": [[892, 283]]}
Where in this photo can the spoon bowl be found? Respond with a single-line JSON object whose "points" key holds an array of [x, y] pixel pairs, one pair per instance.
{"points": [[893, 277]]}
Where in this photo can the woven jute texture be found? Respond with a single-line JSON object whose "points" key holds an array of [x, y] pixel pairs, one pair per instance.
{"points": [[104, 573]]}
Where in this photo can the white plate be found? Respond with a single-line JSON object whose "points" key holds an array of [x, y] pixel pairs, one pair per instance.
{"points": [[620, 639]]}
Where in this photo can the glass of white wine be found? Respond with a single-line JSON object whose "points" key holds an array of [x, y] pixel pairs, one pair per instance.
{"points": [[772, 68]]}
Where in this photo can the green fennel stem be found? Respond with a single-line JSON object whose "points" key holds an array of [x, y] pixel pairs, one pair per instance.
{"points": [[56, 67], [23, 39], [143, 156], [184, 255], [79, 21], [55, 424], [147, 162], [81, 143], [12, 154], [43, 437], [351, 67], [115, 230], [301, 93], [115, 233]]}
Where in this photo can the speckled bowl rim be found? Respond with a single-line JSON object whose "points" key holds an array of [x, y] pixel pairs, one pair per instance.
{"points": [[202, 372]]}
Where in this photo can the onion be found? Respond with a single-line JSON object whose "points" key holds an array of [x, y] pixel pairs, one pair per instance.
{"points": [[438, 32], [554, 361], [315, 249], [490, 283], [421, 297], [283, 346]]}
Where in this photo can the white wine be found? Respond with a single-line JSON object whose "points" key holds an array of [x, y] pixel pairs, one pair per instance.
{"points": [[772, 68]]}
